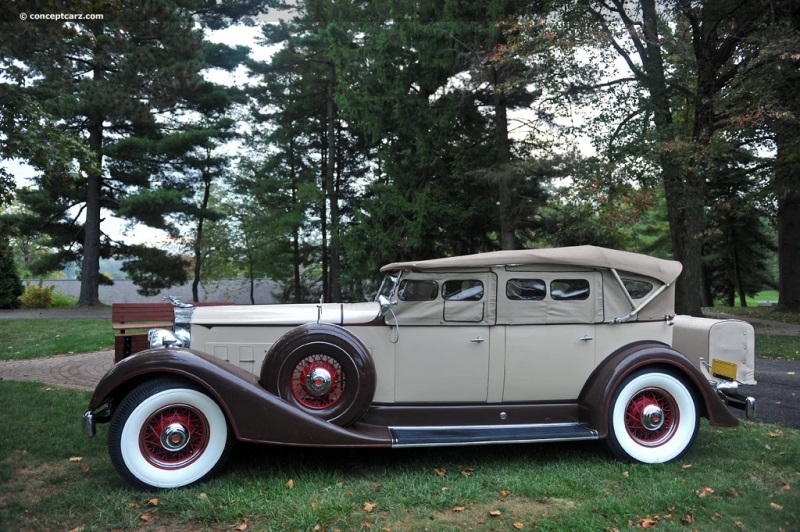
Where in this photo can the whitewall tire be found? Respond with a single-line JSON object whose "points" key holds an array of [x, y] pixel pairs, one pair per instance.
{"points": [[168, 434], [653, 418]]}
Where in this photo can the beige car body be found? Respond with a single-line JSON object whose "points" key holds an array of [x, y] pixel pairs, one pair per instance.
{"points": [[501, 347]]}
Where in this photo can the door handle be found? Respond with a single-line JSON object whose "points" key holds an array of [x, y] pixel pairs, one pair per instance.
{"points": [[586, 338], [477, 340]]}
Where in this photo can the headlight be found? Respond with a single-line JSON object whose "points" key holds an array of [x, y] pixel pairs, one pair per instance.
{"points": [[163, 338]]}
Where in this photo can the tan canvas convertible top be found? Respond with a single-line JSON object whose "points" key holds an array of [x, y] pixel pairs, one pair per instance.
{"points": [[665, 271]]}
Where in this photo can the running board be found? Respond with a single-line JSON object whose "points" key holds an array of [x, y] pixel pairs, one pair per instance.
{"points": [[484, 435]]}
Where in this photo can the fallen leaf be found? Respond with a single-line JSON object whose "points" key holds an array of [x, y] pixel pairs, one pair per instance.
{"points": [[369, 506], [467, 471], [626, 474], [767, 447], [367, 524], [84, 467], [445, 488], [716, 517], [290, 484], [203, 497], [775, 434], [313, 505], [504, 493], [76, 458], [146, 517], [459, 508], [776, 505], [495, 513], [132, 505], [376, 488], [518, 526], [688, 519], [241, 527], [705, 491], [481, 521], [785, 486], [152, 502], [686, 466], [648, 523], [440, 471]]}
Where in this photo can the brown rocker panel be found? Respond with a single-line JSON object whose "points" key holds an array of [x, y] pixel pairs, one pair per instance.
{"points": [[254, 414], [595, 398]]}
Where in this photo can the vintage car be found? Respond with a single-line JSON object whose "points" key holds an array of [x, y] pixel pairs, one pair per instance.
{"points": [[543, 345]]}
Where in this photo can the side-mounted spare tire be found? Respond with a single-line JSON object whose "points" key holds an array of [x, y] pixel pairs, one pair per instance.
{"points": [[324, 370]]}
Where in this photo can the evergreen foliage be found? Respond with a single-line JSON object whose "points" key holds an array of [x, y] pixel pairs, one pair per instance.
{"points": [[10, 284]]}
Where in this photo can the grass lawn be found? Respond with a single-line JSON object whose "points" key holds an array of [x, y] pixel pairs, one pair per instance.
{"points": [[44, 337], [55, 479]]}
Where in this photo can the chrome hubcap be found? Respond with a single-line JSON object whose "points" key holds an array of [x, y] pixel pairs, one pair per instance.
{"points": [[319, 382], [175, 437], [652, 417]]}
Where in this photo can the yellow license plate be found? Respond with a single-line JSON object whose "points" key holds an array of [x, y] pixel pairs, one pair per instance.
{"points": [[723, 369]]}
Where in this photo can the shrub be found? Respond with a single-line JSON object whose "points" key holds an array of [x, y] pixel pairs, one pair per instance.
{"points": [[10, 284], [37, 296]]}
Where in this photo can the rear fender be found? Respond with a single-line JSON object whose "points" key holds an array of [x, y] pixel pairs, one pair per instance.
{"points": [[595, 398], [255, 414]]}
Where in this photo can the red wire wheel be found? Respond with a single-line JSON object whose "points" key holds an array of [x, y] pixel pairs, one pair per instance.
{"points": [[650, 417], [168, 433], [318, 381], [324, 370], [653, 417], [174, 436]]}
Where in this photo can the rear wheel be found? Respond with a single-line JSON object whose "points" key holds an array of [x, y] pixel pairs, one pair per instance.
{"points": [[168, 434], [653, 418]]}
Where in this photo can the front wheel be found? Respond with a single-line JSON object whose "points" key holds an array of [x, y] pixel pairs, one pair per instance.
{"points": [[168, 434], [653, 418]]}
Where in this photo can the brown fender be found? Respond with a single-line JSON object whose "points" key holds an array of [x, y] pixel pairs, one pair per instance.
{"points": [[595, 398], [254, 414]]}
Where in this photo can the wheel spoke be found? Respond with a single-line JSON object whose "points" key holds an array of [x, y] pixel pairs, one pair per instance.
{"points": [[318, 381], [174, 436], [650, 417]]}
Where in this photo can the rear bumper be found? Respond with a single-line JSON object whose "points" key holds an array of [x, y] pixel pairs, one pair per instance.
{"points": [[738, 401]]}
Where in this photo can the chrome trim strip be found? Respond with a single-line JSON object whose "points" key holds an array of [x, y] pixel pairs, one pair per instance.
{"points": [[589, 434]]}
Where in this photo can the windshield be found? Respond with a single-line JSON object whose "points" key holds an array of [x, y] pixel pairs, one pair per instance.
{"points": [[387, 286]]}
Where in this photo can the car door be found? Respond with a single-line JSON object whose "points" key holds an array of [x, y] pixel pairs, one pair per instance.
{"points": [[442, 354], [550, 324]]}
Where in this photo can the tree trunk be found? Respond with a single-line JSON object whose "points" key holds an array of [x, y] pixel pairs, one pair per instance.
{"points": [[198, 242], [787, 186], [508, 237], [333, 197], [90, 268]]}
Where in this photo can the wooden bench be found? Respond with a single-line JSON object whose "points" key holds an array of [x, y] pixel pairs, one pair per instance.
{"points": [[131, 321]]}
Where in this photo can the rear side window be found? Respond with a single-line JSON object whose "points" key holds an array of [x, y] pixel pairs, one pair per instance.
{"points": [[637, 289], [569, 289], [417, 290], [468, 290], [526, 289]]}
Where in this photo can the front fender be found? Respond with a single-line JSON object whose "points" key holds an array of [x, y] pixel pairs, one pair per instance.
{"points": [[595, 398], [255, 414]]}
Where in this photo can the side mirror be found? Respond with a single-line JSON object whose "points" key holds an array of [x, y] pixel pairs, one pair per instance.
{"points": [[386, 304]]}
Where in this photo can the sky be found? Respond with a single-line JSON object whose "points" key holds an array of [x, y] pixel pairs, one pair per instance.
{"points": [[118, 229]]}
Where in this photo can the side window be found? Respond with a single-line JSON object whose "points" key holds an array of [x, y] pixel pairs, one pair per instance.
{"points": [[637, 289], [470, 290], [526, 289], [569, 289], [417, 290]]}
